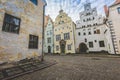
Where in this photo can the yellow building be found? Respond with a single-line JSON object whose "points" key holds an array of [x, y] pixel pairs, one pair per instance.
{"points": [[64, 29]]}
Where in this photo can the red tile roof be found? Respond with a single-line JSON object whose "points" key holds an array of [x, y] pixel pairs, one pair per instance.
{"points": [[117, 1], [46, 20]]}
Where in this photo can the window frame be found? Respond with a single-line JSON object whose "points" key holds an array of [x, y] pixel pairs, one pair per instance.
{"points": [[101, 45], [57, 48], [69, 47], [49, 40], [79, 33], [66, 36], [91, 45], [10, 24], [33, 42], [58, 37]]}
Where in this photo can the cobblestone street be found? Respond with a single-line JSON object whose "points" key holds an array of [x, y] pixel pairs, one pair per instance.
{"points": [[78, 67]]}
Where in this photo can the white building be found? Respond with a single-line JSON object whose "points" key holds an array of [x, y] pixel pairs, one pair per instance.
{"points": [[113, 24], [90, 31], [48, 36]]}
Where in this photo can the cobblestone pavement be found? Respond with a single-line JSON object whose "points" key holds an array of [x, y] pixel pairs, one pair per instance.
{"points": [[78, 67]]}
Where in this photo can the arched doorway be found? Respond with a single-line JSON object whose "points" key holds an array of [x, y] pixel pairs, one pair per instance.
{"points": [[62, 46], [83, 48], [49, 49]]}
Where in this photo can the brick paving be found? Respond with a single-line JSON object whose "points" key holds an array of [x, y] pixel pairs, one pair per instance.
{"points": [[78, 67]]}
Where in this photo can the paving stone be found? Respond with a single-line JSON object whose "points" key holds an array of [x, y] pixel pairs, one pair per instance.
{"points": [[92, 67]]}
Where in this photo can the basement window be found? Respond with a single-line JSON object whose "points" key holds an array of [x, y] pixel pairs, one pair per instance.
{"points": [[33, 42], [11, 24]]}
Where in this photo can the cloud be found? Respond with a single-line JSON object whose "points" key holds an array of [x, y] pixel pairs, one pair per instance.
{"points": [[73, 7]]}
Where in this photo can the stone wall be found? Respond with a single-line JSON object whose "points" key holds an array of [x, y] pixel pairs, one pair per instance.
{"points": [[14, 47]]}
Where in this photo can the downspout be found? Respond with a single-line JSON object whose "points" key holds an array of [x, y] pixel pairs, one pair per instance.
{"points": [[43, 33], [53, 38]]}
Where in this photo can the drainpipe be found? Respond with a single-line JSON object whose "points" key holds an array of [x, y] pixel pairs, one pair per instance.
{"points": [[43, 33]]}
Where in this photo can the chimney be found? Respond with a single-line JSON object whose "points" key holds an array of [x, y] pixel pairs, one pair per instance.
{"points": [[106, 10]]}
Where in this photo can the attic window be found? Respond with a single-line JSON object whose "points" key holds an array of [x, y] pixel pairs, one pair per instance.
{"points": [[34, 2]]}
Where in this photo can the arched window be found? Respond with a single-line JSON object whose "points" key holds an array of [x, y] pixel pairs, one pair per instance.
{"points": [[34, 1]]}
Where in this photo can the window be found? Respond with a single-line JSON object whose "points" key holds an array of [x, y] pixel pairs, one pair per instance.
{"points": [[79, 33], [84, 33], [50, 32], [118, 10], [95, 40], [69, 47], [91, 44], [47, 32], [61, 16], [58, 37], [34, 1], [110, 22], [101, 43], [96, 24], [11, 24], [61, 22], [33, 42], [98, 31], [57, 48], [49, 40], [66, 36], [85, 40], [94, 32], [55, 29], [89, 33], [93, 24], [119, 42]]}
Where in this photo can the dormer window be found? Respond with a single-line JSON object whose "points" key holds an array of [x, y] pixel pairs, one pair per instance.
{"points": [[34, 2]]}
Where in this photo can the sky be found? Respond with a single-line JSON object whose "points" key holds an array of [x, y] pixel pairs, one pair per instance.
{"points": [[74, 7]]}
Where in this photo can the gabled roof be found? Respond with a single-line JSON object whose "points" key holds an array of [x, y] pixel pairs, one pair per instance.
{"points": [[47, 18]]}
